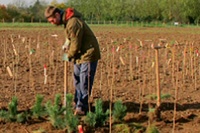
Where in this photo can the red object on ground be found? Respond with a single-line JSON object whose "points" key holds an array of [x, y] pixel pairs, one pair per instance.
{"points": [[45, 66], [80, 129]]}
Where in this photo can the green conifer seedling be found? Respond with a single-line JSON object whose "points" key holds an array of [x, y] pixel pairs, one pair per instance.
{"points": [[90, 119], [38, 109], [152, 129], [12, 109], [70, 119], [4, 115], [99, 117], [119, 111], [55, 112]]}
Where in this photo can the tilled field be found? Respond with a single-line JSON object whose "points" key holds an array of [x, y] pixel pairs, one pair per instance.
{"points": [[127, 66]]}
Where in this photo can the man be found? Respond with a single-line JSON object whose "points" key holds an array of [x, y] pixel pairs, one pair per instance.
{"points": [[81, 48]]}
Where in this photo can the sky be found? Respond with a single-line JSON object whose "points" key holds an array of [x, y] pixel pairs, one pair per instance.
{"points": [[5, 2]]}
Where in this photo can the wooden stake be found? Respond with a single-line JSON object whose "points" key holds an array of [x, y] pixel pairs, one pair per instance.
{"points": [[9, 71], [65, 81], [45, 74], [175, 103]]}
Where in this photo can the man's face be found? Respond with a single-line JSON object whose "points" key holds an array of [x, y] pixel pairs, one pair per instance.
{"points": [[55, 19]]}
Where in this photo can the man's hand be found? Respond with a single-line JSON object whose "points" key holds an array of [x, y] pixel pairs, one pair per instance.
{"points": [[65, 46]]}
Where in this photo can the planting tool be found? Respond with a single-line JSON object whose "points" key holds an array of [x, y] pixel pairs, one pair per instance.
{"points": [[65, 59], [158, 111]]}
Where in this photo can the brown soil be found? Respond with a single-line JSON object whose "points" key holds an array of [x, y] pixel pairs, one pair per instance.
{"points": [[127, 67]]}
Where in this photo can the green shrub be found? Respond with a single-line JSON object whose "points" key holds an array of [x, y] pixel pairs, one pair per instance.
{"points": [[55, 112], [70, 119], [152, 129], [90, 119], [22, 117], [38, 109], [12, 114], [154, 96], [3, 115], [119, 111], [12, 109], [99, 117]]}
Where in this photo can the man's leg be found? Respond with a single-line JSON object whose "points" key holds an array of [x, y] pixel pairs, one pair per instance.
{"points": [[77, 94], [87, 72]]}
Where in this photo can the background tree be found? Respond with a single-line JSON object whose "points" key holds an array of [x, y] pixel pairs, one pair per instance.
{"points": [[37, 11], [14, 13], [184, 11], [192, 9], [4, 16]]}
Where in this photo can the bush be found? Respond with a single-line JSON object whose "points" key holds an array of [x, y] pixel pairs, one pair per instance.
{"points": [[99, 117], [119, 111]]}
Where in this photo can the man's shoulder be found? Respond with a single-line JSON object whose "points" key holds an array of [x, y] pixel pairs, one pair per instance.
{"points": [[74, 21]]}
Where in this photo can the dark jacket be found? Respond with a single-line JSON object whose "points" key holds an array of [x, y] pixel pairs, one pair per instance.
{"points": [[83, 45]]}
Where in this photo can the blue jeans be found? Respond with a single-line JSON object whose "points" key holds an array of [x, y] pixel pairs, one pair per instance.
{"points": [[83, 86]]}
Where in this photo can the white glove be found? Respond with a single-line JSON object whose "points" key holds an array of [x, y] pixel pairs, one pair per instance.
{"points": [[65, 46]]}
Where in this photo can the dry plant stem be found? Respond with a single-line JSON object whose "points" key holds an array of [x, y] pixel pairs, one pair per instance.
{"points": [[16, 69], [195, 73], [131, 63], [14, 49], [5, 56], [13, 70], [186, 64], [137, 74], [142, 85], [100, 82], [26, 130], [38, 46], [51, 59], [138, 82], [111, 92], [184, 68], [175, 103], [108, 64], [199, 69], [141, 95], [55, 76], [13, 64], [120, 64], [165, 65], [108, 68], [158, 84], [31, 83], [191, 61], [173, 67]]}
